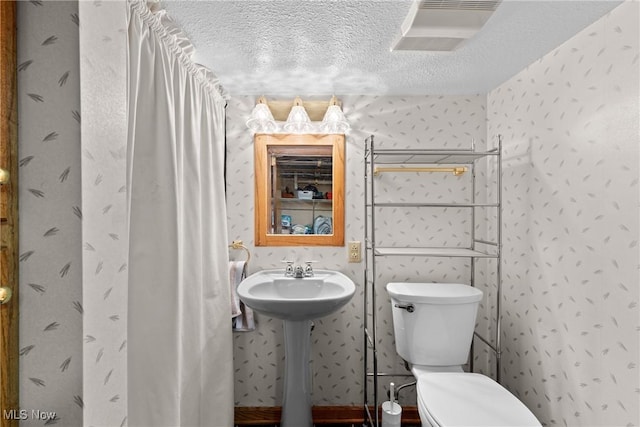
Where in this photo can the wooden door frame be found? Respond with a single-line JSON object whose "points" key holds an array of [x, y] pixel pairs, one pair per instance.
{"points": [[8, 216]]}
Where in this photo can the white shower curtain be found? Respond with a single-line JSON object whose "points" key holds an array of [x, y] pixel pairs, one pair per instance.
{"points": [[180, 368]]}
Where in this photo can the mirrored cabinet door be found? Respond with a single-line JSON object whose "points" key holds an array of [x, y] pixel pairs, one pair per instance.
{"points": [[299, 190]]}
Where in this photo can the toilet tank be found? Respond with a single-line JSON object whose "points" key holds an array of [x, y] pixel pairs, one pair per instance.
{"points": [[438, 330]]}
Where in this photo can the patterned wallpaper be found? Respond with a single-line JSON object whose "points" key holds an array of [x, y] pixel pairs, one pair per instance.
{"points": [[571, 231], [71, 296], [425, 121], [104, 229], [51, 307], [570, 122]]}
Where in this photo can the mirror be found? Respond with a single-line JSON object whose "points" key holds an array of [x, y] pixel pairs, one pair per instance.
{"points": [[299, 190]]}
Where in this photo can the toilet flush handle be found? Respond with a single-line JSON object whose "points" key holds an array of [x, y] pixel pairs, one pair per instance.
{"points": [[409, 307]]}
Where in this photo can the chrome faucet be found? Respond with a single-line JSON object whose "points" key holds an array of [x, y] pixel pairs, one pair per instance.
{"points": [[298, 271]]}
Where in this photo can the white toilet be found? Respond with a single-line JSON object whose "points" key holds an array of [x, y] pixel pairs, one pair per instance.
{"points": [[433, 325]]}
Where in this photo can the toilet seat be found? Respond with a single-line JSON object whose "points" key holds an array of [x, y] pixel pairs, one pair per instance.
{"points": [[467, 399]]}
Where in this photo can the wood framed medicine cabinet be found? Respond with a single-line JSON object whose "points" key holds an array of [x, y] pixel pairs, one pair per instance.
{"points": [[299, 189]]}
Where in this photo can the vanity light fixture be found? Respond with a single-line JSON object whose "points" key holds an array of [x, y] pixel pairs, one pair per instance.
{"points": [[312, 117], [298, 120], [261, 119], [334, 120]]}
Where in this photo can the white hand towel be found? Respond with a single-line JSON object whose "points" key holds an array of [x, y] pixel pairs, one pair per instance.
{"points": [[242, 315], [236, 270]]}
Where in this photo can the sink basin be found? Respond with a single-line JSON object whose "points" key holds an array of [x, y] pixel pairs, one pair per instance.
{"points": [[271, 293], [297, 302]]}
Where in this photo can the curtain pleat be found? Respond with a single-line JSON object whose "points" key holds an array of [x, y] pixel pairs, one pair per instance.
{"points": [[179, 336]]}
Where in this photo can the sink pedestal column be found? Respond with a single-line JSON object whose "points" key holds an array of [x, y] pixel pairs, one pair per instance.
{"points": [[296, 402]]}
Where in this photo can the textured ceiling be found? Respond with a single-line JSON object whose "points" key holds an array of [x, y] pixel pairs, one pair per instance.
{"points": [[321, 47]]}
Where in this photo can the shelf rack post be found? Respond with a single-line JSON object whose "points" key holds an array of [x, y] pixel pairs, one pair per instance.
{"points": [[365, 343], [374, 321], [369, 285], [499, 266], [472, 278]]}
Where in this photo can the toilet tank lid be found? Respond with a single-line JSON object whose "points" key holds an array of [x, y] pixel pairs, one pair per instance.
{"points": [[465, 399], [434, 293]]}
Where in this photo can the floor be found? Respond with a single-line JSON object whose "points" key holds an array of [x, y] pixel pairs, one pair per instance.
{"points": [[329, 425]]}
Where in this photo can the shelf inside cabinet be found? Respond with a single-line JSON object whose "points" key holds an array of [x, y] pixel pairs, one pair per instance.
{"points": [[434, 252], [307, 201]]}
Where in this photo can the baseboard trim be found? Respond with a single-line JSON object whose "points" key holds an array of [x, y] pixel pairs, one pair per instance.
{"points": [[260, 415]]}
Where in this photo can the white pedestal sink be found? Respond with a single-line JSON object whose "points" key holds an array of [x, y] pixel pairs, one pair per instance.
{"points": [[297, 302]]}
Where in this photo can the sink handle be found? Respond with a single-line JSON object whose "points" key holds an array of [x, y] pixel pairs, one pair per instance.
{"points": [[288, 271], [308, 270]]}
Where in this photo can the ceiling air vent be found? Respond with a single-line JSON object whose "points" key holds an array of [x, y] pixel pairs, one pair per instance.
{"points": [[441, 25]]}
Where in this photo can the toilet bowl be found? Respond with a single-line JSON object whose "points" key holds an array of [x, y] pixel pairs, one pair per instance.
{"points": [[466, 399], [433, 326]]}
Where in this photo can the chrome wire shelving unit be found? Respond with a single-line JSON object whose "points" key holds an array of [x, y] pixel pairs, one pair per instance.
{"points": [[458, 162]]}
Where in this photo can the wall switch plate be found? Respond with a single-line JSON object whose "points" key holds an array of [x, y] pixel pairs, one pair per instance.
{"points": [[354, 253]]}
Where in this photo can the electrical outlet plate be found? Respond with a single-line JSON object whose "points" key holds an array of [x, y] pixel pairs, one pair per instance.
{"points": [[354, 253]]}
